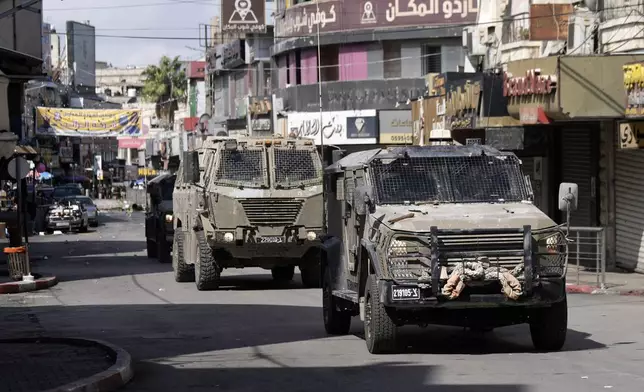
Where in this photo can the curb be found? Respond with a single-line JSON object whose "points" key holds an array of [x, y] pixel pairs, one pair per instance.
{"points": [[593, 290], [115, 377], [23, 287]]}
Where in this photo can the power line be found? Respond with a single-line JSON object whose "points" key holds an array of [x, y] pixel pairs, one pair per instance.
{"points": [[431, 27], [107, 7]]}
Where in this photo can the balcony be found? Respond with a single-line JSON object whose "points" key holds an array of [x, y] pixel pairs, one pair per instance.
{"points": [[352, 95], [515, 39]]}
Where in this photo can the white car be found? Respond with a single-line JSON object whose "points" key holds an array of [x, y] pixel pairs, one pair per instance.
{"points": [[67, 216]]}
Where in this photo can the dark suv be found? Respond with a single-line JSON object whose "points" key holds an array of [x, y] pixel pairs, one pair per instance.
{"points": [[159, 232]]}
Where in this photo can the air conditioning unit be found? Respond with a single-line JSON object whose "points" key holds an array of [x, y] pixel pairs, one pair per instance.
{"points": [[581, 28], [473, 41]]}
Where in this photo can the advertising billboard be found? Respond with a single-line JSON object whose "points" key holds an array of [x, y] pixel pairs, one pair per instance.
{"points": [[81, 55], [88, 122], [243, 16], [338, 128]]}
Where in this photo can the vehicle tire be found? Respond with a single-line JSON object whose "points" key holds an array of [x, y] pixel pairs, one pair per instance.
{"points": [[283, 274], [311, 271], [548, 326], [182, 272], [82, 229], [379, 329], [152, 249], [207, 272], [336, 322], [94, 224], [164, 252]]}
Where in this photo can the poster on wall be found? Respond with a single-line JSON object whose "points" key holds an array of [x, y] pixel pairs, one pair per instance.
{"points": [[88, 122], [338, 128]]}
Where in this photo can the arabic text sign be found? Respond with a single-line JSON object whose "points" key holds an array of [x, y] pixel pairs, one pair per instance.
{"points": [[343, 127], [88, 122], [243, 16], [396, 126], [366, 14]]}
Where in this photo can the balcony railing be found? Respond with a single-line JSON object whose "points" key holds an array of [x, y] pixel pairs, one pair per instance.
{"points": [[516, 29]]}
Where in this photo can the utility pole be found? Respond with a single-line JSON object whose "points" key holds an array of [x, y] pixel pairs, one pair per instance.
{"points": [[317, 6]]}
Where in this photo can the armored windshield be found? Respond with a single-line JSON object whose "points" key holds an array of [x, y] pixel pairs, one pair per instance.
{"points": [[243, 167], [464, 179], [295, 168]]}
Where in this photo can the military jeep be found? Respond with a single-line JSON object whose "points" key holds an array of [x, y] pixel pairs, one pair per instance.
{"points": [[441, 235], [159, 231], [248, 202]]}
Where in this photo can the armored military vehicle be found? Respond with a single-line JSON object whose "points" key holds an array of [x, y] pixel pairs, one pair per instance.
{"points": [[247, 202], [441, 235], [159, 230]]}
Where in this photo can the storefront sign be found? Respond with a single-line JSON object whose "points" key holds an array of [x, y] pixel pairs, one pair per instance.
{"points": [[633, 81], [461, 105], [335, 15], [88, 122], [243, 16], [261, 124], [396, 126], [131, 142], [233, 54], [343, 127], [631, 135], [533, 83]]}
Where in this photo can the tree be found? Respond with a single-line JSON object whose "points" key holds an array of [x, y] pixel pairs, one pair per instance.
{"points": [[165, 84]]}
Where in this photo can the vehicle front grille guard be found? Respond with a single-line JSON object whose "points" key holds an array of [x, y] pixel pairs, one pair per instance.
{"points": [[530, 263]]}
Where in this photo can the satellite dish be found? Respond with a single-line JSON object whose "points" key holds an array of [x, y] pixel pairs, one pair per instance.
{"points": [[18, 168]]}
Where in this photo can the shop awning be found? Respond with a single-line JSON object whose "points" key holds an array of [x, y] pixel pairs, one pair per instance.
{"points": [[17, 65]]}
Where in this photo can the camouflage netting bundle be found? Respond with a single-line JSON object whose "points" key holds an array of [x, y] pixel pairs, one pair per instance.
{"points": [[476, 271]]}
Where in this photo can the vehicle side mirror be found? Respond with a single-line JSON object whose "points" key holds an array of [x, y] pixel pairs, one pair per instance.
{"points": [[363, 201], [568, 196], [191, 167]]}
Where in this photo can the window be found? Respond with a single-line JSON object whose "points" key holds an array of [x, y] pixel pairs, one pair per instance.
{"points": [[431, 59], [244, 167], [391, 59], [329, 70]]}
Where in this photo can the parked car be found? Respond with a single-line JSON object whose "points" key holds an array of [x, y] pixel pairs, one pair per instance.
{"points": [[67, 216], [88, 204]]}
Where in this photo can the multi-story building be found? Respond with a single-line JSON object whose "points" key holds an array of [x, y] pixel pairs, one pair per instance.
{"points": [[351, 59], [560, 85], [116, 81]]}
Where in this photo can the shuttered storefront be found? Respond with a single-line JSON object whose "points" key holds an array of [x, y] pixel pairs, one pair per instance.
{"points": [[578, 166], [629, 209]]}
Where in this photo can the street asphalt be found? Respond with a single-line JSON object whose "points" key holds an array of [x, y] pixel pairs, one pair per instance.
{"points": [[256, 336]]}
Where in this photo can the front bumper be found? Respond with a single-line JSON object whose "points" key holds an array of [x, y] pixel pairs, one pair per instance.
{"points": [[245, 246], [64, 224], [537, 290], [546, 292]]}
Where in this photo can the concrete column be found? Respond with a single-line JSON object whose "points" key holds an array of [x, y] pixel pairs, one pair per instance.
{"points": [[608, 134]]}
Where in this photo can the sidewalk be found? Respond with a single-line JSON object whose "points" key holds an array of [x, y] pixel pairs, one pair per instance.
{"points": [[584, 281], [47, 364]]}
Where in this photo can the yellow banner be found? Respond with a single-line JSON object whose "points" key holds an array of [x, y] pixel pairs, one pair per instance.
{"points": [[88, 122]]}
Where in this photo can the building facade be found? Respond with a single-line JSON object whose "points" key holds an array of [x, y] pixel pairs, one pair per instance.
{"points": [[357, 58]]}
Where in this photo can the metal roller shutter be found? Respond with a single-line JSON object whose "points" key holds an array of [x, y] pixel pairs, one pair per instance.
{"points": [[629, 206], [577, 167]]}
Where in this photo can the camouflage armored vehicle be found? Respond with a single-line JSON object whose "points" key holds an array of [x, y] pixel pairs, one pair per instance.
{"points": [[441, 235], [247, 202], [159, 230]]}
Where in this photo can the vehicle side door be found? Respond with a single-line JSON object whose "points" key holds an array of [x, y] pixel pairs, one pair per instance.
{"points": [[151, 217]]}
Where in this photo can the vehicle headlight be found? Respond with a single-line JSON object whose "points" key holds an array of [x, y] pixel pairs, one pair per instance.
{"points": [[551, 250], [229, 237], [404, 247], [311, 236], [168, 218], [404, 258], [551, 243]]}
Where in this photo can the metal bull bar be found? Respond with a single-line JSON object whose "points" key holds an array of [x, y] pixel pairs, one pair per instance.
{"points": [[530, 262]]}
